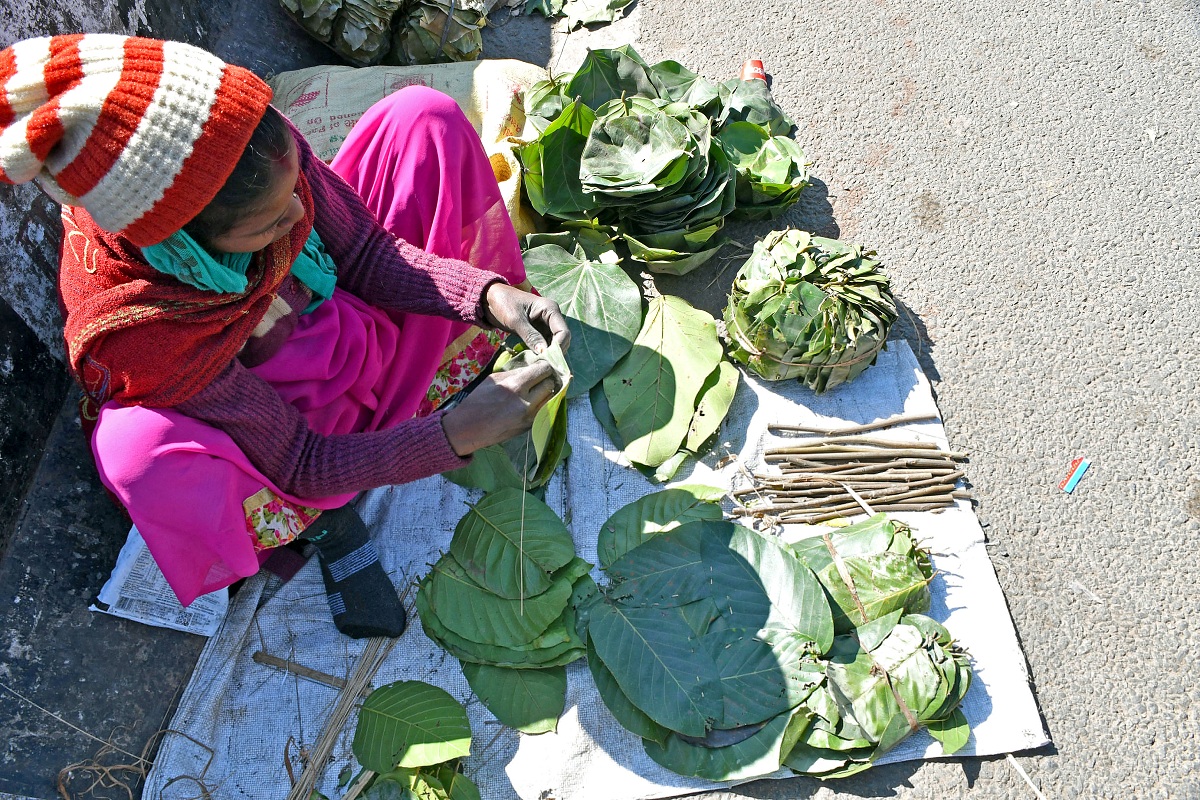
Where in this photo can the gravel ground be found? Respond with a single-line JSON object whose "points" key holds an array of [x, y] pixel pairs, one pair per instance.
{"points": [[1029, 173]]}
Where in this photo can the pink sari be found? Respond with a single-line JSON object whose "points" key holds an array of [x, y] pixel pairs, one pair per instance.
{"points": [[207, 514]]}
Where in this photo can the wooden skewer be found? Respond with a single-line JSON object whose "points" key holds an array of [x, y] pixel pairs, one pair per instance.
{"points": [[833, 453], [902, 419]]}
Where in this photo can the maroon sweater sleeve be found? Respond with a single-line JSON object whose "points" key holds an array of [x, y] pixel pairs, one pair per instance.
{"points": [[302, 462], [376, 266]]}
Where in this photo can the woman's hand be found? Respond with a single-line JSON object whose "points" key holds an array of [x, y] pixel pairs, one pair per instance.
{"points": [[500, 407], [531, 317]]}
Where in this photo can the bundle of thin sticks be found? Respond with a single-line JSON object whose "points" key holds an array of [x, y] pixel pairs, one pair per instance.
{"points": [[826, 477]]}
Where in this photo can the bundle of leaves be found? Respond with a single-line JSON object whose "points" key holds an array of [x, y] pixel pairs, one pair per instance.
{"points": [[527, 461], [500, 600], [869, 570], [884, 680], [669, 395], [360, 31], [631, 147], [414, 735], [435, 31], [706, 640], [805, 307], [771, 170]]}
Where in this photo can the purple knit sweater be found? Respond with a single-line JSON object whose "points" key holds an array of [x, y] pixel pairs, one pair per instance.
{"points": [[386, 272]]}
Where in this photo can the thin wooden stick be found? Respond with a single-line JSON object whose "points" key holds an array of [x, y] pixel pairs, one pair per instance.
{"points": [[863, 454], [902, 419], [311, 674]]}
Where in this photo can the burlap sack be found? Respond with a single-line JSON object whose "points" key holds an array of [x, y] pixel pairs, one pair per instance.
{"points": [[325, 102]]}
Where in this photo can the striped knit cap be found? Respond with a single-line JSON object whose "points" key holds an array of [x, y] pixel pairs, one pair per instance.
{"points": [[139, 132]]}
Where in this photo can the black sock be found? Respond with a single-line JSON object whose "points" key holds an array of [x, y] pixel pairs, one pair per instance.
{"points": [[361, 596]]}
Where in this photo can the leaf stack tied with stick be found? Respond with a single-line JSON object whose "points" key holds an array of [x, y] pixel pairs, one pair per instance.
{"points": [[527, 461], [884, 680], [579, 12], [360, 31], [805, 307], [637, 149], [771, 170], [668, 396], [412, 736], [718, 646], [501, 602]]}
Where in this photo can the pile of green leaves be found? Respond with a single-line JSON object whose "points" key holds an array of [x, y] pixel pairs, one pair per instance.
{"points": [[360, 31], [636, 150], [771, 170], [869, 570], [414, 735], [669, 395], [805, 307], [719, 648], [524, 462], [500, 600]]}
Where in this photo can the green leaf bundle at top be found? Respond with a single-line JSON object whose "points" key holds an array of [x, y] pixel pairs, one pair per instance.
{"points": [[772, 171], [805, 307], [436, 31]]}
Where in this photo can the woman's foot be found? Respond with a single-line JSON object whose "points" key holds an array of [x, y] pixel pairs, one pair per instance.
{"points": [[361, 596]]}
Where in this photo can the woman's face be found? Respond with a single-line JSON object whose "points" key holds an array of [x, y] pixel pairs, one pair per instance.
{"points": [[279, 211]]}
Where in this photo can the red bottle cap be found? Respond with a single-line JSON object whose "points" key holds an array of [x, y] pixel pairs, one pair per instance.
{"points": [[753, 70]]}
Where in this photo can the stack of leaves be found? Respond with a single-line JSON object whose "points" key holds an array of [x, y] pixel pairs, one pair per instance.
{"points": [[412, 736], [629, 147], [869, 570], [360, 31], [809, 308], [705, 642], [669, 395], [884, 680], [579, 12], [434, 31], [500, 600], [524, 462], [771, 170]]}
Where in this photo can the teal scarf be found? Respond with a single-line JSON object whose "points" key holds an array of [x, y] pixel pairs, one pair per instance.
{"points": [[179, 255]]}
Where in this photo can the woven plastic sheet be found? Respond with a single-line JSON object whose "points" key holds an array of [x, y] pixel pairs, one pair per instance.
{"points": [[248, 717]]}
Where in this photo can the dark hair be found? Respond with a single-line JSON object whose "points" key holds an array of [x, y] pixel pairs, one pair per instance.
{"points": [[251, 177]]}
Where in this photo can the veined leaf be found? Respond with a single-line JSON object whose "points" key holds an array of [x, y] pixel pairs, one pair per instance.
{"points": [[649, 654], [754, 757], [511, 543], [626, 713], [602, 304], [530, 700], [410, 724], [655, 513], [490, 469], [715, 399], [652, 391]]}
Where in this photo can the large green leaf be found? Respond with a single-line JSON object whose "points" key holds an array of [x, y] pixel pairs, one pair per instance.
{"points": [[758, 682], [608, 74], [754, 757], [715, 399], [475, 613], [634, 154], [953, 732], [410, 724], [652, 391], [511, 543], [530, 700], [622, 708], [457, 785], [537, 453], [650, 655], [602, 304], [655, 513]]}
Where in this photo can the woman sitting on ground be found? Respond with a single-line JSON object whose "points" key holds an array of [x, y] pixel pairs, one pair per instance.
{"points": [[260, 336]]}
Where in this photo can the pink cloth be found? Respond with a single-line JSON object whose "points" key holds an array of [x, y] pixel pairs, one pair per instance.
{"points": [[347, 367]]}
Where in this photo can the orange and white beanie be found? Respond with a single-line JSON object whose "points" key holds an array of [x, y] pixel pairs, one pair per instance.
{"points": [[141, 133]]}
